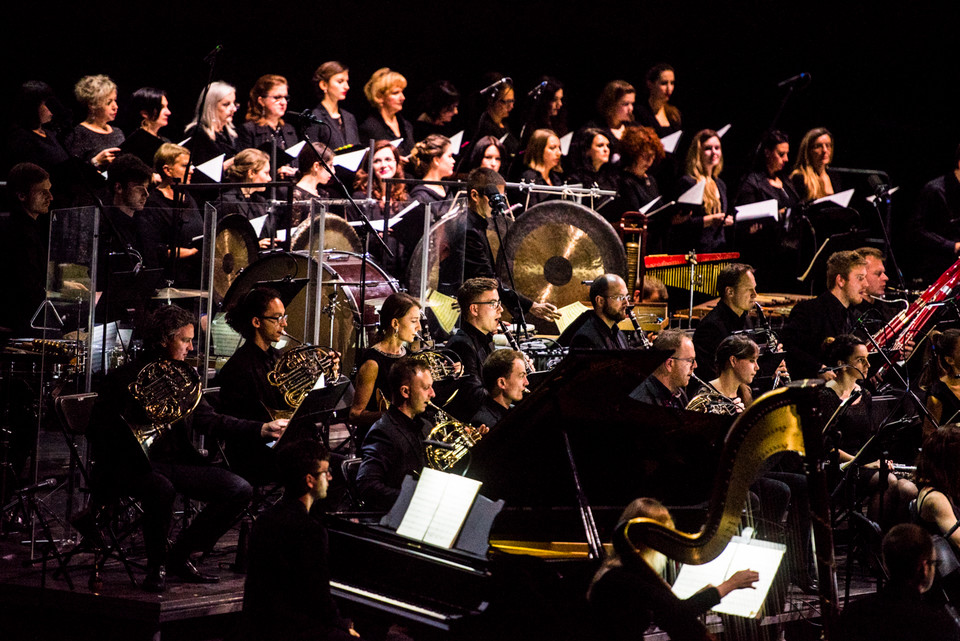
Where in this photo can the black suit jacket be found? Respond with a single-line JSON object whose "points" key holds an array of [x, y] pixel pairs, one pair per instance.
{"points": [[810, 323], [392, 449], [594, 334], [719, 323]]}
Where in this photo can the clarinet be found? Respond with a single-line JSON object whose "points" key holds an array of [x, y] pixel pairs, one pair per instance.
{"points": [[512, 341], [644, 341]]}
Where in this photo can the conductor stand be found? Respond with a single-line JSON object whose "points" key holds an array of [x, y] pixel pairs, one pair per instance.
{"points": [[365, 230]]}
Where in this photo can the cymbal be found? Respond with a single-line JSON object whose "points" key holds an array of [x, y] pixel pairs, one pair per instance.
{"points": [[235, 249], [556, 245], [337, 234], [172, 292]]}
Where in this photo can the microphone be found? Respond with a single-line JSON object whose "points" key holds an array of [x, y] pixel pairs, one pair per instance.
{"points": [[213, 54], [498, 202], [537, 89], [302, 116], [491, 87], [799, 79], [30, 489]]}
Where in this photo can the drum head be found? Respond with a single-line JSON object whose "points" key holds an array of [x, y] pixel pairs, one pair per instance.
{"points": [[235, 249], [556, 245], [337, 234]]}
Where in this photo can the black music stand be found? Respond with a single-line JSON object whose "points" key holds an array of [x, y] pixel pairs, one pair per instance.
{"points": [[287, 287], [312, 418], [816, 271]]}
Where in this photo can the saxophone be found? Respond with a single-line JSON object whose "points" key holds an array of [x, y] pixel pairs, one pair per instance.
{"points": [[452, 432], [166, 391]]}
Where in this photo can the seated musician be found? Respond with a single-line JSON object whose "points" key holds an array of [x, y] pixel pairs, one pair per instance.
{"points": [[737, 288], [943, 397], [478, 260], [23, 246], [902, 609], [937, 219], [394, 446], [505, 379], [172, 465], [829, 314], [472, 342], [938, 502], [610, 299], [876, 312], [287, 592], [665, 386], [245, 392], [627, 593], [399, 326], [121, 246], [890, 496]]}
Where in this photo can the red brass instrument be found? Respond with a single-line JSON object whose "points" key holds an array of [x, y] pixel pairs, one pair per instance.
{"points": [[905, 326]]}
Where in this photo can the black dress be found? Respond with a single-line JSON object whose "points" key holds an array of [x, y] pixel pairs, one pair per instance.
{"points": [[25, 145], [164, 226], [204, 148], [375, 128], [85, 144], [692, 234], [530, 198], [948, 401], [143, 144], [339, 132], [250, 135], [633, 192], [382, 383]]}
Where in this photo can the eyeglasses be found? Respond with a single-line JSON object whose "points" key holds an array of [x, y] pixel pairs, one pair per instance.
{"points": [[276, 319], [320, 473], [493, 303], [624, 297], [691, 359]]}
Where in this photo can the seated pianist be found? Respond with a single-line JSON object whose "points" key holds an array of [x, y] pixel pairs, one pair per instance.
{"points": [[665, 386], [610, 299], [394, 445], [505, 380]]}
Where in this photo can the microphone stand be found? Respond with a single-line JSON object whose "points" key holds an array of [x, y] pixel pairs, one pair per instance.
{"points": [[500, 210], [366, 230], [884, 195]]}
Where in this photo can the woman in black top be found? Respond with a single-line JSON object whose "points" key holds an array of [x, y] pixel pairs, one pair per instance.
{"points": [[811, 176], [384, 92], [439, 103], [627, 592], [332, 81], [498, 102], [264, 120], [152, 107], [486, 152], [33, 138], [431, 159], [542, 159], [640, 150], [398, 327], [170, 222], [704, 232], [943, 399], [94, 140], [546, 111], [615, 107], [216, 134], [250, 166], [589, 160], [656, 111], [386, 164]]}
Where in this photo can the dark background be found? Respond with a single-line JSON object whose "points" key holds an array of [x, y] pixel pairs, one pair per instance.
{"points": [[884, 75]]}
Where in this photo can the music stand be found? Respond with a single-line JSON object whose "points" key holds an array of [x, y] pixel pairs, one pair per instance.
{"points": [[837, 242], [287, 287], [312, 418]]}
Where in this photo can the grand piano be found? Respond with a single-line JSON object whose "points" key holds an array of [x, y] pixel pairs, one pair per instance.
{"points": [[565, 461]]}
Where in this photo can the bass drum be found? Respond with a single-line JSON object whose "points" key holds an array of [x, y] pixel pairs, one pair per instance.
{"points": [[339, 297]]}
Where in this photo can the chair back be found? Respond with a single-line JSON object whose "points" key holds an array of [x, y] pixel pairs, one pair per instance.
{"points": [[349, 467], [74, 411]]}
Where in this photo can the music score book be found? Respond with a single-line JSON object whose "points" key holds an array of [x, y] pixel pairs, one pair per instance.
{"points": [[763, 557], [439, 507]]}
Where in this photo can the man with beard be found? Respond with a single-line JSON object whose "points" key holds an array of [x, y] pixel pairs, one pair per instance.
{"points": [[608, 293]]}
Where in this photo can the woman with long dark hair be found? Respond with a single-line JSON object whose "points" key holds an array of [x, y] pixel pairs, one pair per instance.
{"points": [[34, 137], [152, 107]]}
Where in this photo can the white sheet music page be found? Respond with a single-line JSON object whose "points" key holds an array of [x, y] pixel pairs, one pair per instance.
{"points": [[439, 507], [763, 557]]}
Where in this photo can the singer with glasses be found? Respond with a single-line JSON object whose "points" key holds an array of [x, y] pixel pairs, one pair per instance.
{"points": [[264, 126], [611, 304], [847, 355], [399, 325], [260, 318], [498, 99]]}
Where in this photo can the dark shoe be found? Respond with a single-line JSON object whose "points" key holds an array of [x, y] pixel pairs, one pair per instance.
{"points": [[155, 581], [187, 571]]}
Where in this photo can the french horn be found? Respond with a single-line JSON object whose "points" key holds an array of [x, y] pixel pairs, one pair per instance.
{"points": [[167, 391], [452, 432]]}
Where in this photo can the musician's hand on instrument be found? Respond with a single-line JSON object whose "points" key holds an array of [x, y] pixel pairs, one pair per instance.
{"points": [[827, 375], [782, 369], [738, 581], [274, 429], [908, 346], [736, 400], [545, 311]]}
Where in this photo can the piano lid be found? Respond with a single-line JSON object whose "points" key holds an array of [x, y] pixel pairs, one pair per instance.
{"points": [[622, 448]]}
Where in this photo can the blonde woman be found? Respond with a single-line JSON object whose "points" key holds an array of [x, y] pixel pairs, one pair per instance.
{"points": [[216, 133], [384, 92], [704, 164], [95, 140], [811, 176]]}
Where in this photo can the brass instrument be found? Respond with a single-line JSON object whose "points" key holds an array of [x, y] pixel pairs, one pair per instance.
{"points": [[710, 400], [167, 391], [783, 420], [451, 431], [442, 363], [299, 369], [633, 233]]}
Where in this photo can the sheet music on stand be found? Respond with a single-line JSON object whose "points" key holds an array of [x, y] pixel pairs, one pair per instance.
{"points": [[439, 508], [741, 553], [570, 313]]}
